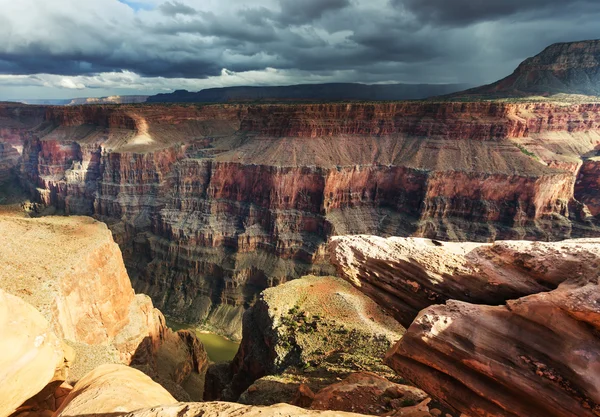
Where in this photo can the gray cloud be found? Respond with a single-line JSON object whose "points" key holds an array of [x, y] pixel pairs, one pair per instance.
{"points": [[471, 41], [173, 8], [463, 12]]}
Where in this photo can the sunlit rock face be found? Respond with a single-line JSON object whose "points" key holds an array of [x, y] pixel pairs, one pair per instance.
{"points": [[72, 271], [32, 355], [406, 275], [212, 204]]}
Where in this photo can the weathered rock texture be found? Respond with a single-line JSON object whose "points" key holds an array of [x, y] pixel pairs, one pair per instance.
{"points": [[369, 394], [212, 204], [220, 409], [321, 324], [117, 390], [537, 355], [571, 68], [113, 390], [32, 356], [406, 275], [72, 271]]}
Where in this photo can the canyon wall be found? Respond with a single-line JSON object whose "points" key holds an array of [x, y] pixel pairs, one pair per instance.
{"points": [[212, 204]]}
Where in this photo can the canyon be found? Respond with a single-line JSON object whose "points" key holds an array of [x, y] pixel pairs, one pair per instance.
{"points": [[211, 204], [419, 258]]}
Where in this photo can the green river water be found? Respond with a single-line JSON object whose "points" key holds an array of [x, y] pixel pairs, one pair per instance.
{"points": [[218, 348]]}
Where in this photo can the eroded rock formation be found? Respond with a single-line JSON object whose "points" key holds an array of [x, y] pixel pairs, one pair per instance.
{"points": [[406, 275], [71, 270], [537, 356], [112, 390], [318, 323]]}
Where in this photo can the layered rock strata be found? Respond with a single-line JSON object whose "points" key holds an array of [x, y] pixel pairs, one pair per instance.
{"points": [[536, 356], [406, 275], [213, 204]]}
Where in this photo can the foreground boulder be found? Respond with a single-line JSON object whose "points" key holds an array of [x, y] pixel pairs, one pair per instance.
{"points": [[314, 326], [538, 356], [71, 270], [367, 393], [32, 356], [406, 275], [113, 389], [117, 390]]}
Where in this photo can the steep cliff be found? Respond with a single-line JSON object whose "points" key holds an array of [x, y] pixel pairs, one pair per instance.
{"points": [[212, 204], [71, 270]]}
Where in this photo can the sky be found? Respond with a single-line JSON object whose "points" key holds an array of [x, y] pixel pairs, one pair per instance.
{"points": [[93, 48]]}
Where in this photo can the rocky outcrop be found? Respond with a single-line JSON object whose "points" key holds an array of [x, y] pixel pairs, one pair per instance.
{"points": [[319, 323], [71, 270], [219, 409], [536, 356], [213, 204], [32, 356], [532, 351], [568, 68], [406, 275], [118, 390], [113, 390], [369, 394]]}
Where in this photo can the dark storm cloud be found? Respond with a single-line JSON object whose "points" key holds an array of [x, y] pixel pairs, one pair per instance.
{"points": [[360, 40], [303, 12], [464, 12], [173, 8]]}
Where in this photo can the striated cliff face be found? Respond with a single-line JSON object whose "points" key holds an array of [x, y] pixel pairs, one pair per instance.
{"points": [[212, 204]]}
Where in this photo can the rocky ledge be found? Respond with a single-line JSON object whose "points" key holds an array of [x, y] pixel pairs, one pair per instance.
{"points": [[533, 352]]}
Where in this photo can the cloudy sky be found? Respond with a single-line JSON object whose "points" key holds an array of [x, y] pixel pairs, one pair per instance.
{"points": [[80, 48]]}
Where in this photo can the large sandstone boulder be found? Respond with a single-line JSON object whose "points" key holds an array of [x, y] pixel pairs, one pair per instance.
{"points": [[31, 355], [406, 275], [314, 326], [538, 356], [72, 271], [533, 352], [113, 390]]}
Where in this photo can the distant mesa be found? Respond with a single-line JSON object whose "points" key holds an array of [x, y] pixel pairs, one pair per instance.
{"points": [[562, 68], [310, 93]]}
